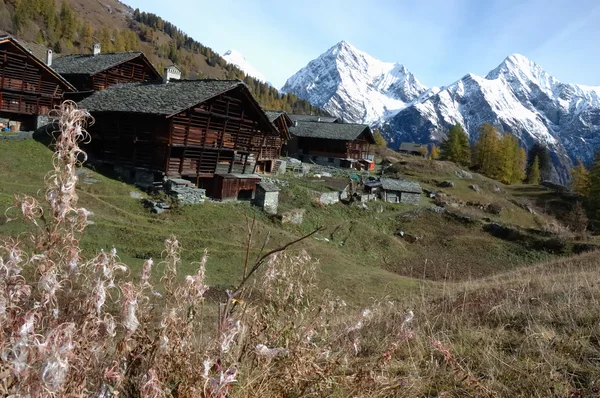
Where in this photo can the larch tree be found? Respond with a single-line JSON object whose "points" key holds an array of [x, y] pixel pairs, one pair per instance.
{"points": [[434, 152], [580, 179], [379, 140], [533, 174], [67, 23], [86, 37], [594, 192], [486, 152], [456, 146]]}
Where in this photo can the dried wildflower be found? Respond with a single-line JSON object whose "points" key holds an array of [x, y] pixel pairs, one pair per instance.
{"points": [[407, 319], [151, 387], [442, 349], [228, 336], [98, 296], [129, 307], [195, 288], [54, 373], [266, 352], [146, 273], [109, 325], [218, 388]]}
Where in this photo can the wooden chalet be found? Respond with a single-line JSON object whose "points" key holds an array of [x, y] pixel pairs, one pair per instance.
{"points": [[97, 71], [29, 89], [282, 122], [411, 148], [210, 132], [336, 144]]}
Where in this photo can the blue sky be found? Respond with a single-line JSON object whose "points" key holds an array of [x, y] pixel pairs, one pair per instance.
{"points": [[439, 41]]}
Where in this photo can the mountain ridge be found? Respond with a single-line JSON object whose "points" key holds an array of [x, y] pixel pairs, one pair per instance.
{"points": [[352, 84], [236, 58], [518, 96]]}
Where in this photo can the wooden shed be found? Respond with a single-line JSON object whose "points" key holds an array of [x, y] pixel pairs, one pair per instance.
{"points": [[98, 71], [192, 129], [234, 186], [28, 87], [336, 144]]}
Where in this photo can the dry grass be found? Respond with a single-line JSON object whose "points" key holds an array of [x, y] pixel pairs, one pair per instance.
{"points": [[80, 327]]}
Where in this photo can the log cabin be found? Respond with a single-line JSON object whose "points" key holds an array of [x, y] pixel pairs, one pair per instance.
{"points": [[336, 144], [209, 132], [29, 89], [282, 122], [97, 71]]}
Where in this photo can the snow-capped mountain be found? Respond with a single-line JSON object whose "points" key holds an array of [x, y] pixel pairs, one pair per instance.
{"points": [[236, 58], [518, 97], [355, 86]]}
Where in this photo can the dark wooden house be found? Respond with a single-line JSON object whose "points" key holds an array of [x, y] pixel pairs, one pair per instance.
{"points": [[29, 89], [210, 132], [411, 148], [98, 71], [337, 144], [282, 122]]}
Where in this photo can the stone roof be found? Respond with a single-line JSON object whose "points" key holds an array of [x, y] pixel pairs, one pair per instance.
{"points": [[313, 118], [268, 186], [331, 131], [156, 98], [41, 63], [390, 184], [411, 147], [89, 64], [273, 115]]}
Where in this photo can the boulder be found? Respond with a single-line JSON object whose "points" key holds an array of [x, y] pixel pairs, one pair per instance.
{"points": [[475, 188], [158, 210], [295, 216], [465, 175], [446, 184]]}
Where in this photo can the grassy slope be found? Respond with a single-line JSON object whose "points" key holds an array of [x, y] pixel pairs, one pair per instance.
{"points": [[363, 258], [122, 222]]}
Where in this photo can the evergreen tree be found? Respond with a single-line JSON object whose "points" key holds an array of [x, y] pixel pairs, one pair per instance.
{"points": [[379, 140], [580, 179], [544, 159], [533, 174], [456, 146], [577, 219]]}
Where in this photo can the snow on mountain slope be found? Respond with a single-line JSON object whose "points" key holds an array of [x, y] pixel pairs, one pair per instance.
{"points": [[236, 58], [355, 86], [518, 97]]}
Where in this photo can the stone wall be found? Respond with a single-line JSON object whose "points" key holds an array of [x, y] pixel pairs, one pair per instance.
{"points": [[268, 201], [410, 198], [16, 136]]}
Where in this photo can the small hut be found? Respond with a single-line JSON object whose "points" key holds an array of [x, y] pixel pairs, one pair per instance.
{"points": [[267, 197], [400, 191]]}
